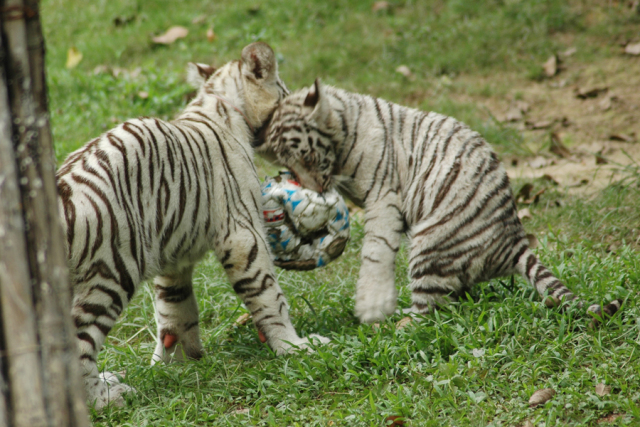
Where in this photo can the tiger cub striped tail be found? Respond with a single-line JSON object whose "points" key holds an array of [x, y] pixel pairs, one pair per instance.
{"points": [[556, 293]]}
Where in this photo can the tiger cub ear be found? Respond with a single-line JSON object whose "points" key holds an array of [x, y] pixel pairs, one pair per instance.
{"points": [[317, 104], [259, 62], [197, 74]]}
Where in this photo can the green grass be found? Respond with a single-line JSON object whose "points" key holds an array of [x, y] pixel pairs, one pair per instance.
{"points": [[475, 363]]}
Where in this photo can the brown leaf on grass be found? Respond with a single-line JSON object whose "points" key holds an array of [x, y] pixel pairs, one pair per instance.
{"points": [[541, 124], [612, 248], [404, 322], [632, 49], [241, 411], [603, 390], [100, 69], [524, 192], [380, 5], [579, 183], [524, 214], [198, 19], [394, 420], [540, 162], [551, 66], [541, 396], [405, 71], [242, 319], [535, 199], [121, 21], [171, 35], [513, 114], [527, 423], [569, 52], [621, 137], [533, 241], [600, 159], [584, 93], [516, 111], [557, 147], [211, 36], [609, 418], [547, 177], [74, 56]]}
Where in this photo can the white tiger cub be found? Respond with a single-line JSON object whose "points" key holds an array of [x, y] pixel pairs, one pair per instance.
{"points": [[423, 174], [149, 198]]}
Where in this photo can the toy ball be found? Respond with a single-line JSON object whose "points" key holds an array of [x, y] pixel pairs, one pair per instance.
{"points": [[305, 229]]}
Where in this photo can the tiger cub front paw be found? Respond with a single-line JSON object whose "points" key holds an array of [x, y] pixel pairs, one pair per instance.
{"points": [[300, 344], [375, 308], [175, 348], [106, 390]]}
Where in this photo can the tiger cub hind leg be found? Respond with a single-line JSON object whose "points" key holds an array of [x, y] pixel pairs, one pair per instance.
{"points": [[430, 292], [98, 301], [178, 331]]}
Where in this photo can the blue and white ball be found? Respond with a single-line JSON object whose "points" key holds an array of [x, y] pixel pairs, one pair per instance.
{"points": [[305, 229]]}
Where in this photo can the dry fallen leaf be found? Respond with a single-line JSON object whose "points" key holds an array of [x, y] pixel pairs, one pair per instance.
{"points": [[593, 92], [380, 5], [533, 241], [541, 396], [609, 418], [557, 147], [547, 177], [524, 214], [394, 420], [198, 19], [74, 56], [524, 192], [542, 124], [569, 51], [100, 69], [579, 183], [211, 36], [241, 411], [171, 35], [527, 423], [603, 390], [632, 49], [535, 199], [512, 115], [522, 106], [621, 137], [606, 103], [242, 319], [405, 321], [551, 66], [540, 162], [405, 71], [600, 159]]}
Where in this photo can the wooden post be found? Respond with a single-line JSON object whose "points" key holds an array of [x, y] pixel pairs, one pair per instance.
{"points": [[39, 369]]}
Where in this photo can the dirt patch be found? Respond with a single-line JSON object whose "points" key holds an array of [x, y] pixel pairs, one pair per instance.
{"points": [[592, 109], [585, 171]]}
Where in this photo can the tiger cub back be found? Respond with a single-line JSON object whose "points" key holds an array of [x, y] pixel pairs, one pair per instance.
{"points": [[423, 174], [149, 198]]}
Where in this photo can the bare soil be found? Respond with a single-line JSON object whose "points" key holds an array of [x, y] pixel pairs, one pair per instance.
{"points": [[604, 123]]}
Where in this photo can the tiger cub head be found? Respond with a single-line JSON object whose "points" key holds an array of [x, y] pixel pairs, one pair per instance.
{"points": [[303, 135], [251, 84]]}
